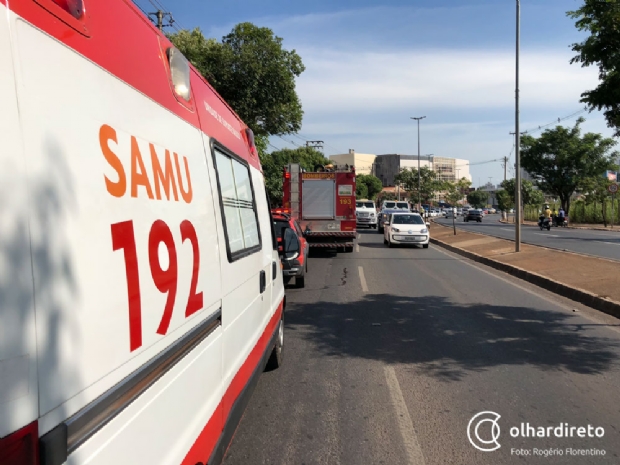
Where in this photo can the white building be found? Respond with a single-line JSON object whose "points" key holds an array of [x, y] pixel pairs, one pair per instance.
{"points": [[363, 162]]}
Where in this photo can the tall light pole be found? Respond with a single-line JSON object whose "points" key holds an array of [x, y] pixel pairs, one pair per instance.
{"points": [[517, 140], [418, 118]]}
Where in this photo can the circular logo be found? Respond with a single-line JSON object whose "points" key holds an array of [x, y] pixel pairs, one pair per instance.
{"points": [[613, 188], [489, 442]]}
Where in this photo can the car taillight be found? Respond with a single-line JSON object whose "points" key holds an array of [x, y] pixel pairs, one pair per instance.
{"points": [[21, 447]]}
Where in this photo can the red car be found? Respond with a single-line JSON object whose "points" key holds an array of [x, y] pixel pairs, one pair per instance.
{"points": [[297, 266]]}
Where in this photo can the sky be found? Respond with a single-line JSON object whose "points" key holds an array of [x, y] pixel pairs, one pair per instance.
{"points": [[372, 65]]}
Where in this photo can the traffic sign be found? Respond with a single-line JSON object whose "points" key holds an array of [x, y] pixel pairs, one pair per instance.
{"points": [[613, 188]]}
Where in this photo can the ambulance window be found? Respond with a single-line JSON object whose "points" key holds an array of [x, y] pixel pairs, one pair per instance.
{"points": [[238, 205]]}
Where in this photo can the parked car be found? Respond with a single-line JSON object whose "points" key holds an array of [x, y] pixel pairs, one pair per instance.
{"points": [[406, 228], [295, 266], [474, 215]]}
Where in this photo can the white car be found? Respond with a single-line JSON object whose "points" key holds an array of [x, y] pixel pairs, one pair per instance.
{"points": [[406, 228], [395, 205], [366, 213]]}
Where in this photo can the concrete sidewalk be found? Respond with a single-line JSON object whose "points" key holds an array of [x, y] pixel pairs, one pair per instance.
{"points": [[592, 281]]}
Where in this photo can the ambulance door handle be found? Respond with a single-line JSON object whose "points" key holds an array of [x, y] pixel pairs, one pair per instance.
{"points": [[274, 270], [263, 281]]}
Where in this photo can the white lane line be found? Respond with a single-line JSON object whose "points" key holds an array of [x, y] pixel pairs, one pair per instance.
{"points": [[363, 279], [410, 439], [610, 243], [357, 247], [546, 235]]}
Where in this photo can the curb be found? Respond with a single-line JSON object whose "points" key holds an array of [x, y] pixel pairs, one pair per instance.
{"points": [[587, 298]]}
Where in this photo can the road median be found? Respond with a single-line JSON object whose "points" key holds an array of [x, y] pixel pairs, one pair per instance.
{"points": [[589, 280]]}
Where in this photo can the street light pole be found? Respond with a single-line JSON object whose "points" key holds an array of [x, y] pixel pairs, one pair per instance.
{"points": [[517, 140], [418, 118]]}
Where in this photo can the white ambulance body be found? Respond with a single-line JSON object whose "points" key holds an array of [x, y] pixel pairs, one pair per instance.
{"points": [[140, 286]]}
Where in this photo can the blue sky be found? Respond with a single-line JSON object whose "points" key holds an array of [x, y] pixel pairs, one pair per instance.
{"points": [[372, 65]]}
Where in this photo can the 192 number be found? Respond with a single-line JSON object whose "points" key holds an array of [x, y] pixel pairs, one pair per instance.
{"points": [[166, 281]]}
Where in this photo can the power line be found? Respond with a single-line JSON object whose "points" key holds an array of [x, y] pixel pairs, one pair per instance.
{"points": [[540, 128]]}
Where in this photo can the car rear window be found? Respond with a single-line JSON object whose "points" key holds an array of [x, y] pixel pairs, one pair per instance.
{"points": [[279, 226], [402, 205]]}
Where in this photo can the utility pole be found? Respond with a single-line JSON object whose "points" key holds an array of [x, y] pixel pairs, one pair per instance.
{"points": [[160, 15], [517, 138], [505, 166], [418, 120]]}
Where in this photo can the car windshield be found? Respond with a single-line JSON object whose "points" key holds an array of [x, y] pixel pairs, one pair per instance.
{"points": [[408, 219], [365, 205], [390, 204], [402, 205]]}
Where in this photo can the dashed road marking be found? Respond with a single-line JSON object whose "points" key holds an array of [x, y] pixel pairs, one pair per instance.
{"points": [[407, 431], [363, 279]]}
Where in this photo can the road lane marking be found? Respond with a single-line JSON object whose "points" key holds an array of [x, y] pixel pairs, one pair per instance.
{"points": [[546, 235], [363, 279], [410, 439], [610, 243], [357, 247]]}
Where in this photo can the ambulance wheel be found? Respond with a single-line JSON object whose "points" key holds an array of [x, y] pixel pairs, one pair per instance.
{"points": [[275, 359]]}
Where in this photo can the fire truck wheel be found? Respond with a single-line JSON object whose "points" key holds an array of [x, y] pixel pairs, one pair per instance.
{"points": [[275, 359], [348, 249]]}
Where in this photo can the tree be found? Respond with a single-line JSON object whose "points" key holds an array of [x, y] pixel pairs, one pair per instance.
{"points": [[595, 189], [452, 193], [602, 20], [529, 195], [561, 159], [361, 190], [478, 199], [429, 184], [273, 167], [372, 184], [252, 71], [504, 200]]}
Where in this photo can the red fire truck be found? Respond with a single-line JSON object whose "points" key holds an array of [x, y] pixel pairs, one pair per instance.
{"points": [[323, 201]]}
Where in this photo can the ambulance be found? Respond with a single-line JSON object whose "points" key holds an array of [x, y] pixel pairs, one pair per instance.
{"points": [[141, 290]]}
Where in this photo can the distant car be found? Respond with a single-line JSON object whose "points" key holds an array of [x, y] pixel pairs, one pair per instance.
{"points": [[474, 215], [406, 228], [384, 216], [366, 213], [492, 211], [296, 267]]}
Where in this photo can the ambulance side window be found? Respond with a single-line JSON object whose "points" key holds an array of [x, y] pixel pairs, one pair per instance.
{"points": [[238, 206]]}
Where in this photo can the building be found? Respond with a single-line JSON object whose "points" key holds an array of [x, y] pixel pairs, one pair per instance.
{"points": [[386, 167], [363, 162]]}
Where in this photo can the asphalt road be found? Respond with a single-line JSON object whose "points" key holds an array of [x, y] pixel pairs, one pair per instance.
{"points": [[597, 243], [390, 352]]}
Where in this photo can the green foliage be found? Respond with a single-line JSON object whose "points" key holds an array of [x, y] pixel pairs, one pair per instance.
{"points": [[561, 159], [529, 195], [504, 200], [387, 196], [429, 184], [252, 71], [273, 167], [371, 183], [478, 199], [455, 191], [361, 190], [601, 18]]}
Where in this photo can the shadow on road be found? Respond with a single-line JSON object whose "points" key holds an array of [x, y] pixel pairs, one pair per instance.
{"points": [[447, 340]]}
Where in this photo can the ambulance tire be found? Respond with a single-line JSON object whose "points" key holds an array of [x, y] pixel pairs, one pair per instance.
{"points": [[275, 359]]}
